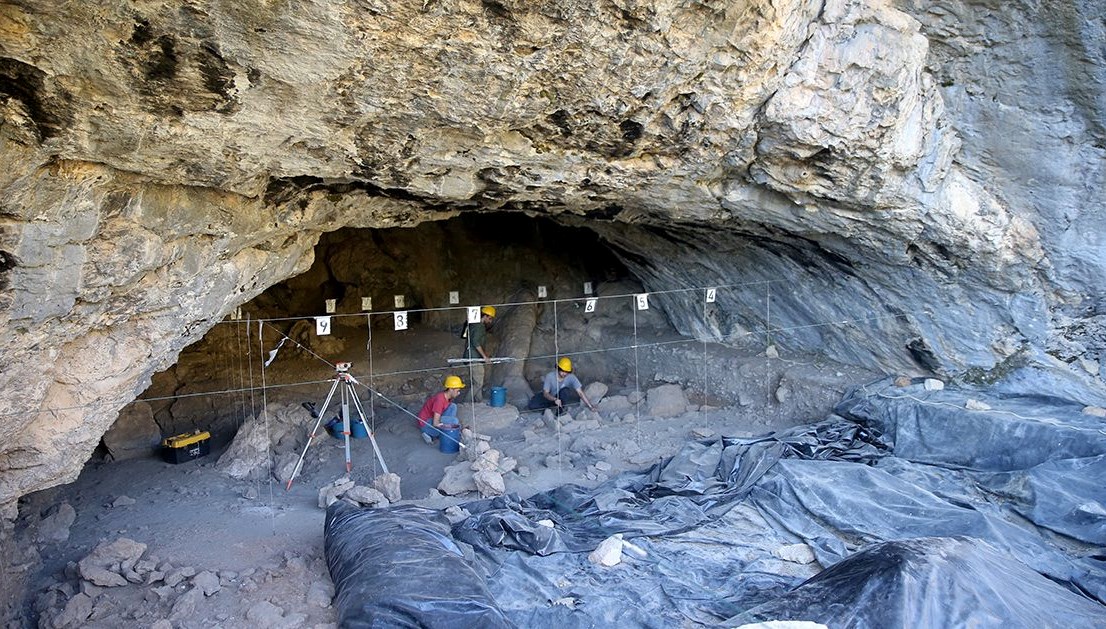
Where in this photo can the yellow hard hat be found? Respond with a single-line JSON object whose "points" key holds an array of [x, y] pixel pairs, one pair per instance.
{"points": [[565, 364], [488, 310], [453, 382]]}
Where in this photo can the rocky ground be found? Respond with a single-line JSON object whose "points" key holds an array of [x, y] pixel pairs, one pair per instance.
{"points": [[219, 541]]}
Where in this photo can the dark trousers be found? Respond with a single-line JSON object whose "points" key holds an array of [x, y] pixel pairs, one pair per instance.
{"points": [[567, 396]]}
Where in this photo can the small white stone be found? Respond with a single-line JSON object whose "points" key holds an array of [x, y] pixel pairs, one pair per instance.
{"points": [[122, 501], [1097, 411], [976, 405], [455, 514], [1090, 366], [566, 601], [933, 384], [784, 624], [795, 553], [608, 553]]}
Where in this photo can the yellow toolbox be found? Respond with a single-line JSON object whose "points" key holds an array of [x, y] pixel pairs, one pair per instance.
{"points": [[185, 447]]}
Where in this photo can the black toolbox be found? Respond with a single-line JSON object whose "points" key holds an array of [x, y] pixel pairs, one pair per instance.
{"points": [[185, 447]]}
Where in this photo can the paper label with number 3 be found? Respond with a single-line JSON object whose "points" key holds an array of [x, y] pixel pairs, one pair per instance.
{"points": [[400, 319]]}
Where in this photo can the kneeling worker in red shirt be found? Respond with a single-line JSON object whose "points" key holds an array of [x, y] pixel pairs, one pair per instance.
{"points": [[439, 409]]}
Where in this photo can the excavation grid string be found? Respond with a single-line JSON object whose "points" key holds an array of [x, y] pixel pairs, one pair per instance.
{"points": [[253, 389]]}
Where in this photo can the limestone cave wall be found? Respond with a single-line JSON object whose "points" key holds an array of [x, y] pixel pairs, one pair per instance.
{"points": [[932, 168]]}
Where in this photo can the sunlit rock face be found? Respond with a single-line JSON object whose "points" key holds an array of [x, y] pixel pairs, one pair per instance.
{"points": [[930, 174]]}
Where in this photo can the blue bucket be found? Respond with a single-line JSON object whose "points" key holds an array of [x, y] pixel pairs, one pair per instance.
{"points": [[498, 397], [450, 441], [356, 429]]}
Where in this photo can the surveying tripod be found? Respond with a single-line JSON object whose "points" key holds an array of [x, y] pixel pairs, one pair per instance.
{"points": [[342, 380]]}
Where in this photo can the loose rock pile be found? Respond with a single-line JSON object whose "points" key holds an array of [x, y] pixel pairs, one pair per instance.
{"points": [[384, 492], [481, 468], [148, 591]]}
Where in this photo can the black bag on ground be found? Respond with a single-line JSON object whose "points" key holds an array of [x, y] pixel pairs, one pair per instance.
{"points": [[400, 567]]}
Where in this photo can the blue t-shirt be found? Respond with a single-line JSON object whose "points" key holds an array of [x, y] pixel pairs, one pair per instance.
{"points": [[553, 386]]}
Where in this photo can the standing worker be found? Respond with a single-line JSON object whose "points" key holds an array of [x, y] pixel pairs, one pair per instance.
{"points": [[477, 336], [440, 409], [560, 388]]}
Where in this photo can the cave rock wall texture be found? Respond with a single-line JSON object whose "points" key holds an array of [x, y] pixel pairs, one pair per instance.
{"points": [[937, 167]]}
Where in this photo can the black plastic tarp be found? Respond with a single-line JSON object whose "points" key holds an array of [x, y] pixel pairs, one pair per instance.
{"points": [[923, 511], [930, 582], [703, 482], [400, 567]]}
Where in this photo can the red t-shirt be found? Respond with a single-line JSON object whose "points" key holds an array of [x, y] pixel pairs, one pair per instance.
{"points": [[435, 404]]}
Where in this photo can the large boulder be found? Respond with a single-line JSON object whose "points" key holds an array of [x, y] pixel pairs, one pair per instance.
{"points": [[667, 400], [134, 434], [107, 563], [55, 526], [248, 453], [489, 483], [457, 480], [388, 484]]}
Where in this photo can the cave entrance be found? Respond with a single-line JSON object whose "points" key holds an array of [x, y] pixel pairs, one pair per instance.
{"points": [[559, 289], [539, 274], [393, 303]]}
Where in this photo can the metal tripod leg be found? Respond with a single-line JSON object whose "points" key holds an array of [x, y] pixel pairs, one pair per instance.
{"points": [[345, 425], [311, 437], [372, 439]]}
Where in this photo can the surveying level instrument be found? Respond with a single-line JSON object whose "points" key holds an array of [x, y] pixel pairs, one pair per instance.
{"points": [[344, 382]]}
